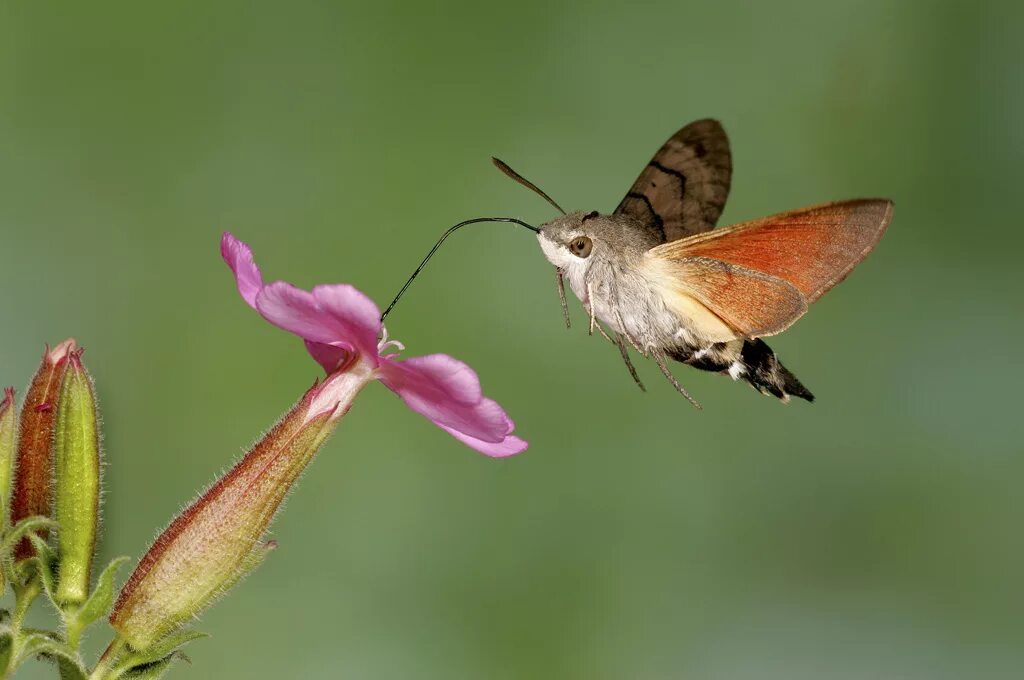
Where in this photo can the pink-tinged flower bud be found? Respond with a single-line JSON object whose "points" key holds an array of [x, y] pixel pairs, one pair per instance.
{"points": [[76, 471], [35, 438], [216, 540], [8, 440]]}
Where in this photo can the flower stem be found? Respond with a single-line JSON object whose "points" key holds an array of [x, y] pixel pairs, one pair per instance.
{"points": [[23, 598], [72, 626], [24, 595], [105, 665]]}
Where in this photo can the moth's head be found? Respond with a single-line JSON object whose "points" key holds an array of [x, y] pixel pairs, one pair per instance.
{"points": [[577, 240]]}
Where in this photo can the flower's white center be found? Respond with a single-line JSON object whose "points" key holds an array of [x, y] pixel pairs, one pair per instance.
{"points": [[384, 343], [336, 393]]}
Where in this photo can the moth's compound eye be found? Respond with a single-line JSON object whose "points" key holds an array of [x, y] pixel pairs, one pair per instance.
{"points": [[581, 246]]}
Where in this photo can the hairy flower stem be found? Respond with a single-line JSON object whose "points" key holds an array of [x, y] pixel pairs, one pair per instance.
{"points": [[105, 666], [24, 595], [23, 598], [72, 626]]}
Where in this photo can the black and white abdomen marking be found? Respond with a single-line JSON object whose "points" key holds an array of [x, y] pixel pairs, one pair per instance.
{"points": [[750, 360]]}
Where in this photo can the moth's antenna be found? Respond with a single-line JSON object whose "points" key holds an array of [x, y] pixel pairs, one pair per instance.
{"points": [[503, 166], [437, 245]]}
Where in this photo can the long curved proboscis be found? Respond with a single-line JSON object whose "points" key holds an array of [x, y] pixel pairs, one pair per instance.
{"points": [[437, 245]]}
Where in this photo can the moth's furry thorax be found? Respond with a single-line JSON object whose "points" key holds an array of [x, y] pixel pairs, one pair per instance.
{"points": [[613, 280]]}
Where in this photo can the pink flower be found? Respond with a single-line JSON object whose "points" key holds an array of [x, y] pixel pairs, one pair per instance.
{"points": [[342, 330]]}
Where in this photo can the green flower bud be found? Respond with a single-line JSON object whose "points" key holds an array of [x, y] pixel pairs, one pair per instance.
{"points": [[33, 471], [76, 454], [8, 440], [216, 540]]}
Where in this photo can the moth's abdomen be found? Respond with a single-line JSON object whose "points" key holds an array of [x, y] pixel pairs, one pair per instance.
{"points": [[752, 361]]}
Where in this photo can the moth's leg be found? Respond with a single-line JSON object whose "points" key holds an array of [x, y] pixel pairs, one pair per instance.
{"points": [[590, 308], [621, 343], [622, 325], [614, 292], [604, 334], [561, 297], [660, 359]]}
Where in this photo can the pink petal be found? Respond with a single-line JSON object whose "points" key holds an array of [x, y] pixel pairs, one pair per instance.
{"points": [[447, 391], [297, 311], [238, 255], [509, 446], [331, 357], [353, 312]]}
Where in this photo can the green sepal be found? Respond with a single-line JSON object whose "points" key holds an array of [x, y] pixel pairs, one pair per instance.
{"points": [[102, 597]]}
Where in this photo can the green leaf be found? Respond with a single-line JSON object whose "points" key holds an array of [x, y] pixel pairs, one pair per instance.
{"points": [[167, 645], [10, 573], [71, 670], [6, 644], [36, 566], [34, 641], [154, 670], [154, 661], [40, 631], [27, 526], [102, 597], [45, 644], [68, 662], [43, 549]]}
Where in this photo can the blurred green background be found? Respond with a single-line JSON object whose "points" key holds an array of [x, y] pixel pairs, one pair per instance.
{"points": [[873, 534]]}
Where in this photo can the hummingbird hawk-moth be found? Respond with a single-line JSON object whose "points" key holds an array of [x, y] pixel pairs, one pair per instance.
{"points": [[664, 281]]}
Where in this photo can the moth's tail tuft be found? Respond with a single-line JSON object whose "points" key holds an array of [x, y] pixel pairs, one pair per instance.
{"points": [[760, 367], [752, 361]]}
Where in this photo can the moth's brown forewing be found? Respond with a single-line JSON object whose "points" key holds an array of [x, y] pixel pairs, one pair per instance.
{"points": [[683, 189]]}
